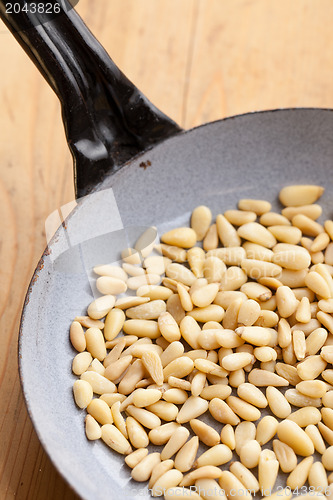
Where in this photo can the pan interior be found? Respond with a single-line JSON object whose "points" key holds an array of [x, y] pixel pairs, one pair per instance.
{"points": [[249, 156]]}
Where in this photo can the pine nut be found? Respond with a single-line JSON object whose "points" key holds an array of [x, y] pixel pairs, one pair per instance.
{"points": [[83, 393], [326, 432], [208, 435], [206, 366], [98, 409], [110, 399], [257, 269], [176, 441], [87, 322], [152, 362], [179, 368], [327, 458], [327, 353], [205, 295], [313, 211], [232, 279], [285, 455], [328, 258], [244, 410], [217, 455], [175, 396], [308, 226], [305, 416], [328, 376], [263, 378], [160, 469], [226, 232], [143, 470], [166, 411], [248, 313], [299, 475], [130, 301], [190, 331], [151, 310], [258, 252], [255, 335], [215, 391], [174, 253], [161, 434], [244, 432], [81, 362], [193, 407], [299, 344], [183, 237], [179, 383], [315, 436], [186, 455], [196, 259], [327, 416], [136, 433], [95, 343], [311, 367], [259, 207], [133, 270], [286, 301], [327, 399], [154, 292], [290, 433], [142, 328], [207, 471], [265, 354], [230, 318], [268, 468], [210, 241], [240, 217], [213, 269], [99, 384], [222, 412], [231, 256], [173, 351], [136, 282], [277, 402], [249, 453], [286, 234], [251, 394], [256, 233], [326, 320], [77, 337], [96, 366], [293, 279], [114, 322], [117, 368], [312, 388], [298, 195], [144, 417], [266, 429], [200, 221], [317, 477], [213, 312], [146, 397], [232, 486], [92, 429], [228, 436], [297, 399]]}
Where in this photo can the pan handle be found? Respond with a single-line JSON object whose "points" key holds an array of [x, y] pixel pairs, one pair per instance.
{"points": [[107, 119]]}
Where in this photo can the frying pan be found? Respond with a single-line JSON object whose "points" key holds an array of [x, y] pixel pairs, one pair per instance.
{"points": [[165, 172]]}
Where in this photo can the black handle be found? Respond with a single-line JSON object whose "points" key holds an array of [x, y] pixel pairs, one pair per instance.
{"points": [[107, 119]]}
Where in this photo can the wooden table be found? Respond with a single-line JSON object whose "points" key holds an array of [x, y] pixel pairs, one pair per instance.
{"points": [[197, 60]]}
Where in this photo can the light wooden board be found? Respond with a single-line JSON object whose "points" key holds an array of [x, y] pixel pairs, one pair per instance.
{"points": [[198, 60]]}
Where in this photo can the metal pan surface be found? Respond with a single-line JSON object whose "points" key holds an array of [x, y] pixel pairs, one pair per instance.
{"points": [[251, 155]]}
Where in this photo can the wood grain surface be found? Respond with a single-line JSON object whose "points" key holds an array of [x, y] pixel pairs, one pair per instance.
{"points": [[197, 60]]}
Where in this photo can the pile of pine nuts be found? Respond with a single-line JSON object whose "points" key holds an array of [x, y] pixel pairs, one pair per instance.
{"points": [[229, 321]]}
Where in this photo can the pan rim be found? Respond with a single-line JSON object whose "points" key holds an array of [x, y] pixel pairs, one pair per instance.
{"points": [[121, 171]]}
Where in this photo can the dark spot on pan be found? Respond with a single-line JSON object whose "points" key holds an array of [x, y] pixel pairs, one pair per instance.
{"points": [[145, 164]]}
